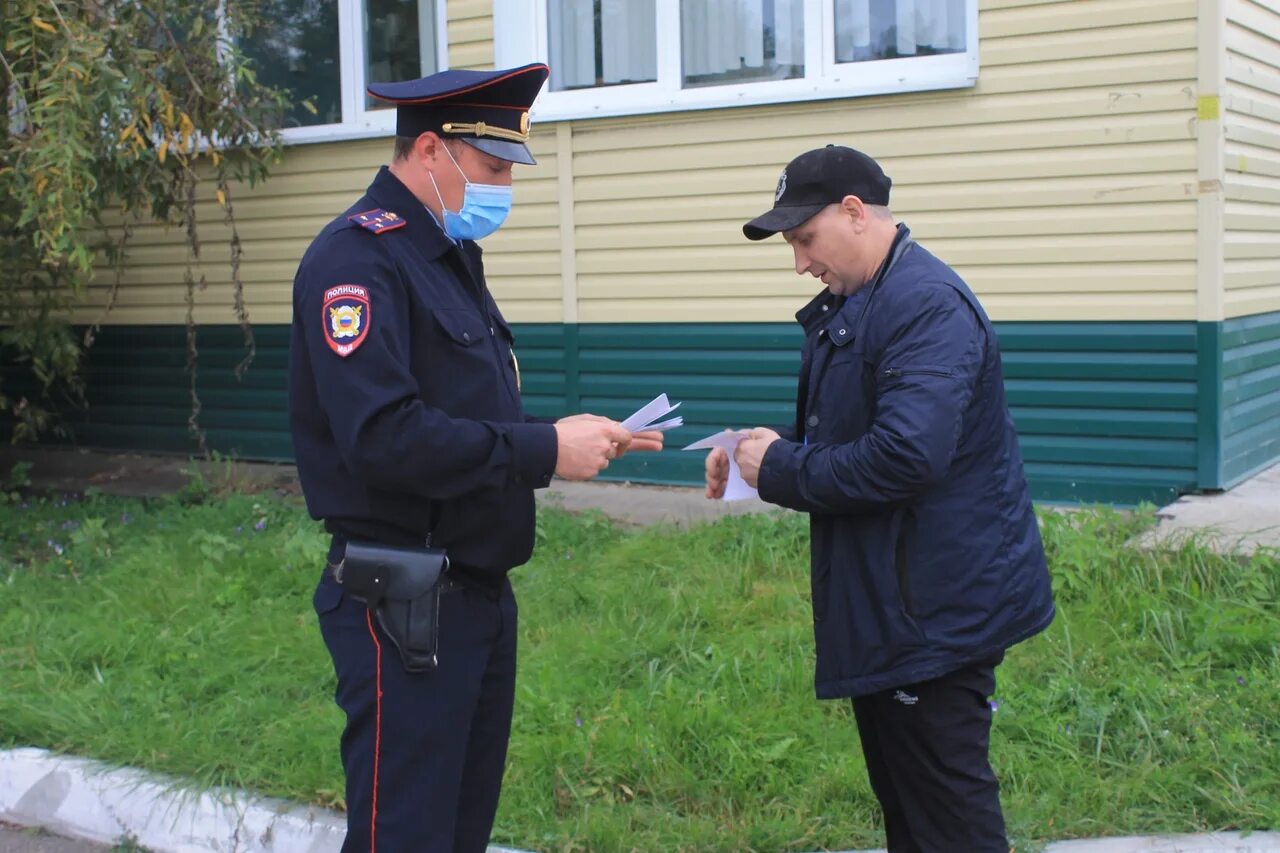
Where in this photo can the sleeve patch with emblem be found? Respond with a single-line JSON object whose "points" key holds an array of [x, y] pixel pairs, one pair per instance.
{"points": [[378, 220], [346, 317]]}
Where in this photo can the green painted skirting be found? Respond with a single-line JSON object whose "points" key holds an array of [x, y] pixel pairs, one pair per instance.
{"points": [[1250, 395], [1106, 411]]}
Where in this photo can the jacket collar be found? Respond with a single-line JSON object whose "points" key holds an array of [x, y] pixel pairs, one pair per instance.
{"points": [[826, 306], [388, 193], [820, 308]]}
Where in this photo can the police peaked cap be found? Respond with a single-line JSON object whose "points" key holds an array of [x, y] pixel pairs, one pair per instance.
{"points": [[486, 109]]}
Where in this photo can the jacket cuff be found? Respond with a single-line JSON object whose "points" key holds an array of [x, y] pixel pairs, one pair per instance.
{"points": [[534, 451], [779, 480]]}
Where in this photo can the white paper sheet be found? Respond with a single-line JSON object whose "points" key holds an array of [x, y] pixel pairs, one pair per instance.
{"points": [[652, 413], [736, 488], [663, 426]]}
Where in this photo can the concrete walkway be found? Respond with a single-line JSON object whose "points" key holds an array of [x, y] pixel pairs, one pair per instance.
{"points": [[1243, 519], [19, 839]]}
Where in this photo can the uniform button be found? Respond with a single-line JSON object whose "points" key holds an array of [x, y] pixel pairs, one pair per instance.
{"points": [[825, 307], [466, 337], [811, 421], [843, 332]]}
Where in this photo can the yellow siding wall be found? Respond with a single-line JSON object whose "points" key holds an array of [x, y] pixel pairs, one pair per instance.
{"points": [[1252, 124], [1062, 187], [470, 33], [278, 219]]}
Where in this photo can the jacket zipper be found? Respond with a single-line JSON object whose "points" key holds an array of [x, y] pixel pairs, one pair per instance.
{"points": [[895, 372]]}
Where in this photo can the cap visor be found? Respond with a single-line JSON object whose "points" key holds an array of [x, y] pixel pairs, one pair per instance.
{"points": [[780, 219], [516, 152]]}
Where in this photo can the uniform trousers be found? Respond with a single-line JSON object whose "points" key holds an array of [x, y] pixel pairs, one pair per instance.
{"points": [[926, 748], [423, 752]]}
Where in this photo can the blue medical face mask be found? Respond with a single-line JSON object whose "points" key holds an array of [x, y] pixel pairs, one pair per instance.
{"points": [[484, 208]]}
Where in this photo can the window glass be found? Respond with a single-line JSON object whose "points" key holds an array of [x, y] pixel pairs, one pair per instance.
{"points": [[296, 49], [739, 41], [601, 43], [890, 29], [399, 42]]}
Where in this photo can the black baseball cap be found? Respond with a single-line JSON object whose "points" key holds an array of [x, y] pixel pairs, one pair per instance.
{"points": [[816, 179]]}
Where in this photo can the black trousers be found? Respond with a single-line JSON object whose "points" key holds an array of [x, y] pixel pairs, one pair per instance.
{"points": [[926, 749], [423, 752]]}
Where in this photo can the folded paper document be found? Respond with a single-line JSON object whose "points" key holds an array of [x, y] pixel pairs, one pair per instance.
{"points": [[736, 489], [649, 417]]}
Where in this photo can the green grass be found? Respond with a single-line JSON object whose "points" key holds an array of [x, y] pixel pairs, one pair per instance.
{"points": [[665, 697]]}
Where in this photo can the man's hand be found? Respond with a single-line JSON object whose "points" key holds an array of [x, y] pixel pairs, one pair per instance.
{"points": [[750, 454], [585, 444], [648, 442], [571, 419], [717, 473]]}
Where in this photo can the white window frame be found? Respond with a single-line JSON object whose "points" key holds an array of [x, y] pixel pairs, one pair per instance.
{"points": [[359, 122], [520, 36]]}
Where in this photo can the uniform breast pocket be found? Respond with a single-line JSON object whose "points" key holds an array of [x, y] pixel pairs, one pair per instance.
{"points": [[460, 369], [465, 328]]}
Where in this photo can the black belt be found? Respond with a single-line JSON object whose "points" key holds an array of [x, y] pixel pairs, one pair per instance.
{"points": [[447, 583], [455, 577]]}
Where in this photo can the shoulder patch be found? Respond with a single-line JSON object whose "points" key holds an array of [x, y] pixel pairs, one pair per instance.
{"points": [[378, 220], [346, 317]]}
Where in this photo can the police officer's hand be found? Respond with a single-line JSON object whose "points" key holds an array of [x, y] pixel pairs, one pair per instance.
{"points": [[750, 454], [600, 419], [585, 444], [649, 441], [717, 472]]}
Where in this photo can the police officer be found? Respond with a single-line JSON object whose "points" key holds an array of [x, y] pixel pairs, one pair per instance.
{"points": [[927, 559], [410, 437]]}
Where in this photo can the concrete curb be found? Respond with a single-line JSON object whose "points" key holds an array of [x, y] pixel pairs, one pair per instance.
{"points": [[1215, 842], [86, 799]]}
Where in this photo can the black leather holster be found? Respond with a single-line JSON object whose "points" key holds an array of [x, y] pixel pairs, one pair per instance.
{"points": [[402, 587]]}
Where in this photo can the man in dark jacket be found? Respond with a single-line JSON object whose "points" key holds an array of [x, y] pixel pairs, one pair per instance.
{"points": [[926, 556]]}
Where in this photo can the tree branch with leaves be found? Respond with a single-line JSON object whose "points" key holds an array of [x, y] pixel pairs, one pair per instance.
{"points": [[117, 110]]}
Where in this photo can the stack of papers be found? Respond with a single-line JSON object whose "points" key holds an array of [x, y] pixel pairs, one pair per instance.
{"points": [[736, 489], [653, 417], [649, 417]]}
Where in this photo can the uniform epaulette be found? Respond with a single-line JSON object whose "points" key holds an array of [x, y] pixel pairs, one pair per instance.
{"points": [[378, 220]]}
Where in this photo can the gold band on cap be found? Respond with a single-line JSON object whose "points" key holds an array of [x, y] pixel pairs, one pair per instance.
{"points": [[479, 128]]}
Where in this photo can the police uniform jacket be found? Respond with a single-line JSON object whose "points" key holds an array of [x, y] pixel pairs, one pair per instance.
{"points": [[926, 554], [403, 390]]}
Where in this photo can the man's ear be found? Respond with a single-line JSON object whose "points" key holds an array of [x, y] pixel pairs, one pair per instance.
{"points": [[856, 210], [428, 145]]}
